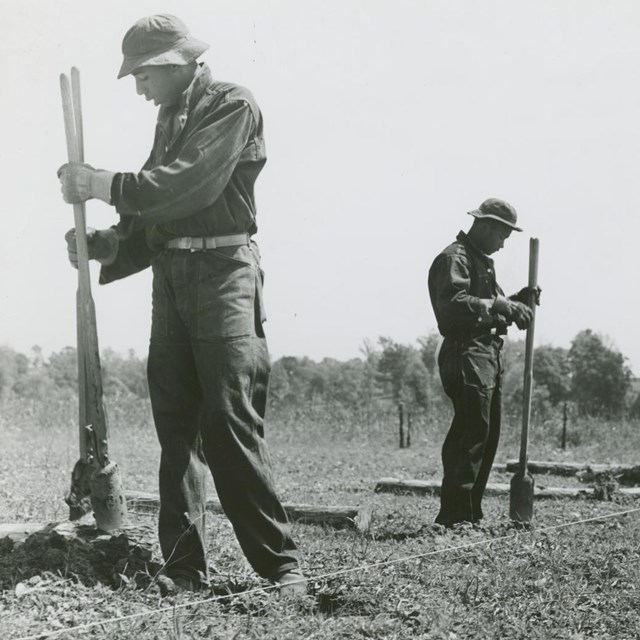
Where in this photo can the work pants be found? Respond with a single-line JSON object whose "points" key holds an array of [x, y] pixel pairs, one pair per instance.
{"points": [[208, 373], [471, 376]]}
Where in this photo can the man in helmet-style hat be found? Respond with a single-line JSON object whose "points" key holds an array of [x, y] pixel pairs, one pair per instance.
{"points": [[472, 314], [189, 213]]}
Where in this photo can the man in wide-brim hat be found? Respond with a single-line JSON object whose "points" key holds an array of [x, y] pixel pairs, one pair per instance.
{"points": [[473, 314], [190, 214]]}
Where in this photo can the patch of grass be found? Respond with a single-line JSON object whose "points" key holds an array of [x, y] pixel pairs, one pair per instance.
{"points": [[494, 581]]}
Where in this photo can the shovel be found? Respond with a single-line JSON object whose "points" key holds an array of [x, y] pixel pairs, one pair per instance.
{"points": [[95, 481], [522, 483]]}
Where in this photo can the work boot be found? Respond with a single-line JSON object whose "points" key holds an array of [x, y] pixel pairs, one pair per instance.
{"points": [[176, 582], [291, 583]]}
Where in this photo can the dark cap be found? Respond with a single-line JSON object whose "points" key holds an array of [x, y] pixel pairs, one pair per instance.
{"points": [[158, 40], [499, 210]]}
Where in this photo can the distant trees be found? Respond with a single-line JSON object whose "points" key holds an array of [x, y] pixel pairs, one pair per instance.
{"points": [[591, 374], [552, 370], [12, 367], [340, 392], [600, 379], [37, 376], [402, 373], [127, 374]]}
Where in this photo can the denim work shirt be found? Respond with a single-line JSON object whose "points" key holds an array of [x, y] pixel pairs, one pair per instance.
{"points": [[199, 179], [458, 278]]}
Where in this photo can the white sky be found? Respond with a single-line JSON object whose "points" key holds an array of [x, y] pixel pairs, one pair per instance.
{"points": [[385, 122]]}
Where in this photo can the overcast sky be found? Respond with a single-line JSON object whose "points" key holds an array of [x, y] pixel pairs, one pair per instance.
{"points": [[385, 122]]}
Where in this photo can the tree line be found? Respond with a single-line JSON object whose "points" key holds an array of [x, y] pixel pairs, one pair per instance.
{"points": [[591, 376]]}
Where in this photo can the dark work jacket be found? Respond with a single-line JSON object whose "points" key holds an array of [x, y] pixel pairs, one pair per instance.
{"points": [[458, 278], [198, 180]]}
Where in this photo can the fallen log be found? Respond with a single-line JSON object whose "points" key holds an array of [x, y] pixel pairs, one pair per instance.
{"points": [[623, 473], [334, 516], [432, 487]]}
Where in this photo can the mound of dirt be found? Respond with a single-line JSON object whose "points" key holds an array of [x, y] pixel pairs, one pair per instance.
{"points": [[82, 553]]}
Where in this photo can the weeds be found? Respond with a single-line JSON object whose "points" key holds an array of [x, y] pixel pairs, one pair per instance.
{"points": [[579, 582]]}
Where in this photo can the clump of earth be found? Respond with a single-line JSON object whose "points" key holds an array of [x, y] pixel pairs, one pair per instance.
{"points": [[82, 553]]}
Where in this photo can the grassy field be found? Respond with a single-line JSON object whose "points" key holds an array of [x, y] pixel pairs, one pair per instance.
{"points": [[402, 578]]}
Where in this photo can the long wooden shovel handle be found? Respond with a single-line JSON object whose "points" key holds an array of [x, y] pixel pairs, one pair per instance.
{"points": [[528, 357], [77, 112], [92, 411], [75, 154]]}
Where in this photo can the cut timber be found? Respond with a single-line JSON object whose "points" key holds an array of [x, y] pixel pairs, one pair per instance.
{"points": [[624, 473], [335, 516], [432, 487]]}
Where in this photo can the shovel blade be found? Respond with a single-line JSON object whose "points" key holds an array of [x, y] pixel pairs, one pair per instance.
{"points": [[100, 491], [521, 497], [107, 498]]}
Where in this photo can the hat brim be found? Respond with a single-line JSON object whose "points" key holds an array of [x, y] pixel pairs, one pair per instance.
{"points": [[181, 54], [476, 213]]}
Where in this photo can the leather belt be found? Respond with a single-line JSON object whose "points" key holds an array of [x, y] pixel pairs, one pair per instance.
{"points": [[209, 242], [493, 332]]}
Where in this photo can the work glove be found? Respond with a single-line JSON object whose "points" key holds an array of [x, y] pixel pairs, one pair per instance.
{"points": [[520, 313], [524, 293], [513, 311], [101, 245], [81, 182]]}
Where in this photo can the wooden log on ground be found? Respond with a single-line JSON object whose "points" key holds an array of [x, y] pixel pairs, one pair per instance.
{"points": [[334, 516], [432, 487], [624, 473]]}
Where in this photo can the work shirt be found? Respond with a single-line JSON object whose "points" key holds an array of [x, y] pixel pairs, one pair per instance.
{"points": [[199, 179], [459, 278]]}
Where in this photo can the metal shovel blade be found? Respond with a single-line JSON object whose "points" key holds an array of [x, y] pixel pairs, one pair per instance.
{"points": [[521, 497], [107, 498], [100, 491]]}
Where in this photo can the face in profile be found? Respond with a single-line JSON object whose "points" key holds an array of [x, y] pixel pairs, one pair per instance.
{"points": [[495, 235], [162, 84]]}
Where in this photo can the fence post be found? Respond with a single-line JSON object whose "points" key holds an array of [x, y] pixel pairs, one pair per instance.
{"points": [[401, 423], [408, 439], [564, 426]]}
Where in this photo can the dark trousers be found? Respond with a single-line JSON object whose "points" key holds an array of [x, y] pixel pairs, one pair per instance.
{"points": [[471, 376], [208, 373]]}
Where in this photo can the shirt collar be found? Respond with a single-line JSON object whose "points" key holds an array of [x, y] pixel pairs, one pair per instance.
{"points": [[201, 80], [466, 240]]}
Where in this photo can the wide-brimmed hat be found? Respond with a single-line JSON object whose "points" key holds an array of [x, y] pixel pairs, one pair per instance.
{"points": [[499, 210], [158, 40]]}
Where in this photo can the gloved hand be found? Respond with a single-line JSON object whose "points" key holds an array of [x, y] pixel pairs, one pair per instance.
{"points": [[101, 245], [81, 182], [520, 313], [523, 295], [513, 311]]}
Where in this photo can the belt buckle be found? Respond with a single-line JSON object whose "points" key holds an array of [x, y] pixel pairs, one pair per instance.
{"points": [[194, 241]]}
